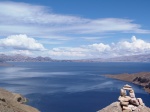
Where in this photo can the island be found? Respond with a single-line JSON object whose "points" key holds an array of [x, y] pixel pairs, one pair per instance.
{"points": [[142, 79]]}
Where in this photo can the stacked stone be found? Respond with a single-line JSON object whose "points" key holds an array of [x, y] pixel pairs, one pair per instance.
{"points": [[129, 103]]}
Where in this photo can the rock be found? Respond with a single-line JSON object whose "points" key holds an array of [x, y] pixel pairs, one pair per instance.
{"points": [[134, 101], [124, 103], [140, 101], [131, 91], [135, 79], [132, 107], [114, 107], [124, 99], [127, 86], [13, 102], [123, 92], [132, 95], [126, 108]]}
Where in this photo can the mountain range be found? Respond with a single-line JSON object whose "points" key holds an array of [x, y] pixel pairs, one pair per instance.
{"points": [[21, 58]]}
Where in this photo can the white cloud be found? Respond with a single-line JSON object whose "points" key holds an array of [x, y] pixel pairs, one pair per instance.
{"points": [[97, 50], [135, 46], [21, 42], [99, 47], [39, 21], [21, 52], [101, 50]]}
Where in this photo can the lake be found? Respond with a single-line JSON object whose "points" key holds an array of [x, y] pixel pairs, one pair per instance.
{"points": [[69, 86]]}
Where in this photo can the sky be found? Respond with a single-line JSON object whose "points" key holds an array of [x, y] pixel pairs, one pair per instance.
{"points": [[75, 29]]}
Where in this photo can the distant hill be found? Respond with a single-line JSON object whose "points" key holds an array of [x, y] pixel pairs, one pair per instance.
{"points": [[133, 58], [21, 58]]}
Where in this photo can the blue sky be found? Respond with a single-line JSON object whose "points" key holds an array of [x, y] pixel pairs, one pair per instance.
{"points": [[75, 29]]}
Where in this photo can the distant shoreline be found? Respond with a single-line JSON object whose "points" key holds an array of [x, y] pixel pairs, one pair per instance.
{"points": [[142, 79], [5, 64]]}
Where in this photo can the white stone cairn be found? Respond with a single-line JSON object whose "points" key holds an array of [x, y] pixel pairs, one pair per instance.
{"points": [[129, 103]]}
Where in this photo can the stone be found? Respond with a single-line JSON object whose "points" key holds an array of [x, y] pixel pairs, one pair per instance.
{"points": [[132, 107], [132, 95], [134, 101], [127, 86], [128, 98], [131, 91], [124, 99], [124, 103], [123, 92], [140, 101]]}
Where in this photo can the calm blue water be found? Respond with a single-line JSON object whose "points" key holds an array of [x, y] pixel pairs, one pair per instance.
{"points": [[70, 87]]}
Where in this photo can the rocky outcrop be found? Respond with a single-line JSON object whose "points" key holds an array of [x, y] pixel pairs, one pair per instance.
{"points": [[127, 103], [13, 102], [114, 107]]}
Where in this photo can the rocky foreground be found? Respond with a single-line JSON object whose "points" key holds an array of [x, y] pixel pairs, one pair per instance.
{"points": [[127, 103], [13, 102], [142, 79]]}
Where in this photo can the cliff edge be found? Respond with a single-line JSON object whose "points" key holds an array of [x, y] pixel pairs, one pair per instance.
{"points": [[13, 102], [126, 103]]}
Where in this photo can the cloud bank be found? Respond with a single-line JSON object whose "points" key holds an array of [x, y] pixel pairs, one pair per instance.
{"points": [[22, 44], [40, 21], [100, 50]]}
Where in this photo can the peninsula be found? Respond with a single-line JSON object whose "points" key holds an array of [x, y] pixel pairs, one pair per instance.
{"points": [[142, 79], [13, 102]]}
